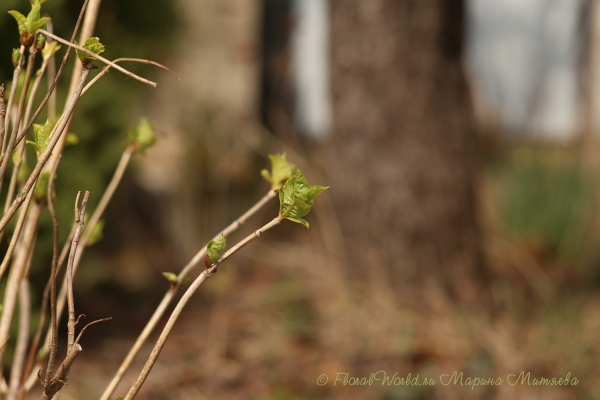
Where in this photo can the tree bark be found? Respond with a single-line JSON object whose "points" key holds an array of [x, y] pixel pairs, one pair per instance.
{"points": [[403, 154]]}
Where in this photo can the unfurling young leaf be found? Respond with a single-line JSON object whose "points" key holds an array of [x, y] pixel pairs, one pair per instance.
{"points": [[214, 248], [50, 50], [96, 234], [92, 44], [171, 277], [30, 24], [281, 171], [142, 135], [297, 198], [41, 136], [16, 55], [41, 42]]}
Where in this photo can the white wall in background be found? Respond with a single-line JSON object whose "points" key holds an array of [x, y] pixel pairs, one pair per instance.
{"points": [[310, 68], [522, 59]]}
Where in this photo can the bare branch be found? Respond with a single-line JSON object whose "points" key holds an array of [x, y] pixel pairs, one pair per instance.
{"points": [[2, 112], [183, 301], [96, 215], [22, 338], [170, 294], [53, 346], [98, 57], [56, 78], [118, 60], [21, 107], [80, 215], [62, 374], [60, 126], [17, 272], [13, 92], [88, 325]]}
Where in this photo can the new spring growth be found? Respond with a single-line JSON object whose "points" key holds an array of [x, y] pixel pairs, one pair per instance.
{"points": [[297, 198], [41, 137], [281, 171], [92, 44], [16, 55], [28, 25], [142, 135], [214, 248]]}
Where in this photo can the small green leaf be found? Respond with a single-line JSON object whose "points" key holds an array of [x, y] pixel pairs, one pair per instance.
{"points": [[41, 42], [281, 171], [215, 248], [92, 44], [21, 20], [142, 135], [50, 50], [16, 55], [120, 398], [41, 135], [96, 234], [297, 198], [301, 221], [171, 277], [37, 24], [30, 24], [40, 193]]}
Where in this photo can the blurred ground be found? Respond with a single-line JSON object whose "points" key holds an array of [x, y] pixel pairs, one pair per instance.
{"points": [[284, 311]]}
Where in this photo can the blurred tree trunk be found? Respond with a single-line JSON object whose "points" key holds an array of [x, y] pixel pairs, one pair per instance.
{"points": [[404, 153]]}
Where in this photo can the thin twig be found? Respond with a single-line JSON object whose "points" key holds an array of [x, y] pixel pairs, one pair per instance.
{"points": [[58, 75], [16, 234], [46, 153], [118, 60], [22, 338], [13, 93], [21, 107], [17, 272], [183, 301], [2, 112], [21, 150], [62, 374], [51, 75], [88, 325], [87, 29], [170, 294], [99, 58], [53, 346], [96, 215], [80, 215]]}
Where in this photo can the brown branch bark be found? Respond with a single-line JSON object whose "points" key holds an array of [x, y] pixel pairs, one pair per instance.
{"points": [[170, 294], [183, 301]]}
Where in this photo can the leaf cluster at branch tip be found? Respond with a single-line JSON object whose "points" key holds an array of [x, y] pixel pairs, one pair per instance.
{"points": [[214, 248], [297, 198], [30, 24], [281, 171], [92, 44]]}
